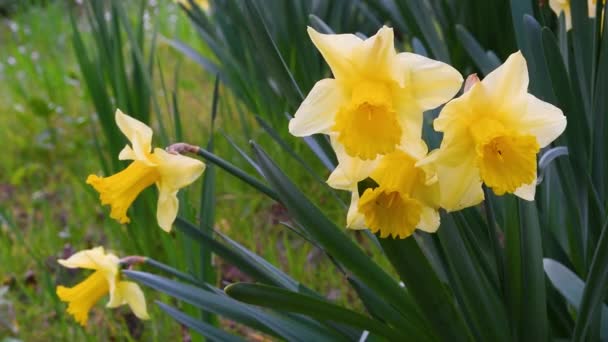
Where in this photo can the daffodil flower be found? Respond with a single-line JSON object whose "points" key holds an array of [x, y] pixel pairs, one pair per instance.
{"points": [[403, 199], [559, 6], [170, 172], [376, 97], [492, 134], [105, 279]]}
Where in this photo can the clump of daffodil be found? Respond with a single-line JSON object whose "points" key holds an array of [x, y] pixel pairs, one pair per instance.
{"points": [[559, 6], [376, 97], [105, 279], [170, 172], [402, 200], [492, 135]]}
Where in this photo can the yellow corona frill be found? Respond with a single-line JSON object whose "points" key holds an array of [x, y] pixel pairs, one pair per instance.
{"points": [[104, 280], [170, 172], [376, 98], [401, 200], [492, 135]]}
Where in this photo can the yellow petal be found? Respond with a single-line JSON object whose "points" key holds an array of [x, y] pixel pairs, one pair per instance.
{"points": [[432, 83], [138, 133], [354, 219], [127, 153], [167, 208], [410, 117], [337, 50], [543, 120], [457, 115], [349, 171], [375, 57], [177, 171], [507, 85], [318, 111], [84, 259], [526, 191], [429, 220], [458, 177], [127, 292]]}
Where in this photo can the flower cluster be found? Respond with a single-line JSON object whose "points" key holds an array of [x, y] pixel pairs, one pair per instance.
{"points": [[170, 172], [372, 111]]}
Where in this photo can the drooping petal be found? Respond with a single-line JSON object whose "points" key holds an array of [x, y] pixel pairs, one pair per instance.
{"points": [[350, 170], [432, 83], [127, 292], [127, 153], [354, 219], [177, 171], [318, 111], [337, 51], [526, 191], [543, 120], [429, 220], [507, 85], [167, 207]]}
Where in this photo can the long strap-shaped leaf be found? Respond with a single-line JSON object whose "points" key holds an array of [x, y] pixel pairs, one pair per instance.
{"points": [[595, 287], [284, 300], [235, 310], [204, 329], [426, 288], [336, 242]]}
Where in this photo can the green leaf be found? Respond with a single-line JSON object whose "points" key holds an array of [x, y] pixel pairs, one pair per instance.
{"points": [[427, 290], [284, 300], [239, 256], [230, 308], [475, 51], [571, 287], [595, 287], [204, 329], [525, 281], [478, 298], [334, 240]]}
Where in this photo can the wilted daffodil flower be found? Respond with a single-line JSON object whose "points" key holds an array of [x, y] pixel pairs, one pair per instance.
{"points": [[376, 97], [169, 172], [105, 279], [492, 134], [401, 201]]}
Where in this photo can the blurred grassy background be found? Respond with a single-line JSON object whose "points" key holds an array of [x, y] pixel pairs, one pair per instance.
{"points": [[48, 131]]}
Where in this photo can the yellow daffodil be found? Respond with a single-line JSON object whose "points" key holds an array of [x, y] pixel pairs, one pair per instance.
{"points": [[105, 279], [376, 97], [492, 134], [559, 6], [169, 172], [400, 203]]}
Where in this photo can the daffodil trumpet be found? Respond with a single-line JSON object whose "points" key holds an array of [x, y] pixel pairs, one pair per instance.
{"points": [[170, 172], [377, 96], [492, 134], [105, 279]]}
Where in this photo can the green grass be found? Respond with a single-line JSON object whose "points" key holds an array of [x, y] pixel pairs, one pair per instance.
{"points": [[46, 128]]}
